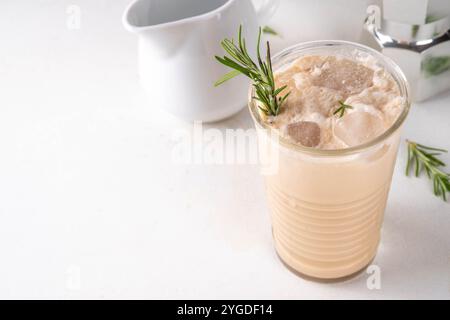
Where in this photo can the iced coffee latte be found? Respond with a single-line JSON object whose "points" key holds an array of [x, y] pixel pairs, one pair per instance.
{"points": [[337, 141]]}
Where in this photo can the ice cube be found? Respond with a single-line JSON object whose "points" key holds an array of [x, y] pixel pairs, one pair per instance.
{"points": [[319, 99], [309, 63], [358, 127], [306, 133], [301, 80], [344, 75]]}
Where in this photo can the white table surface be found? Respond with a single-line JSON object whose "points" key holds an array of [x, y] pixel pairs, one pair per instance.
{"points": [[92, 207]]}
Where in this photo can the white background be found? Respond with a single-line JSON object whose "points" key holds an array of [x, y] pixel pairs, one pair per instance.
{"points": [[91, 205]]}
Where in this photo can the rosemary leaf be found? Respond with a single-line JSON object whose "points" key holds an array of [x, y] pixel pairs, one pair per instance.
{"points": [[340, 112], [227, 77], [271, 31]]}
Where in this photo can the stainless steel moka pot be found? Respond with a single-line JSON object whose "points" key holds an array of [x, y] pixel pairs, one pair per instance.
{"points": [[421, 50]]}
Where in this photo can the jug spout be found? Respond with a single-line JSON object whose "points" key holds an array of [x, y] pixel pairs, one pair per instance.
{"points": [[157, 28], [136, 17], [163, 13]]}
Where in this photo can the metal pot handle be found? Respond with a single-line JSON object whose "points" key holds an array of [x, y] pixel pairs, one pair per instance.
{"points": [[373, 19]]}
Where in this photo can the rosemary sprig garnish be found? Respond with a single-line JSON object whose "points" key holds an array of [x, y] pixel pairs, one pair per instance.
{"points": [[421, 158], [260, 72], [340, 112]]}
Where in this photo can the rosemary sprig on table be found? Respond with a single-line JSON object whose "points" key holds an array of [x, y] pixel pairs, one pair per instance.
{"points": [[260, 72], [421, 158], [340, 112]]}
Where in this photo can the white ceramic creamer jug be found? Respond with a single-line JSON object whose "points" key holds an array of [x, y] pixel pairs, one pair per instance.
{"points": [[178, 40]]}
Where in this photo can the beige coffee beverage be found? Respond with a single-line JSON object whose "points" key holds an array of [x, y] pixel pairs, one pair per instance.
{"points": [[336, 141]]}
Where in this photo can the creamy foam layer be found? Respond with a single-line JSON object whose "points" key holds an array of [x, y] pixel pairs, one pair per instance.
{"points": [[318, 84]]}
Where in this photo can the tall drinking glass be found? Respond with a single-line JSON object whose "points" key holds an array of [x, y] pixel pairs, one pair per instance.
{"points": [[327, 206]]}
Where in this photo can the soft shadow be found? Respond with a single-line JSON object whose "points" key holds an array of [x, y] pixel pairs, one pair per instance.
{"points": [[415, 248], [241, 120], [445, 95]]}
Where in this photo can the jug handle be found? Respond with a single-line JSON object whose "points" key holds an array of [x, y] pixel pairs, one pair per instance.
{"points": [[267, 9]]}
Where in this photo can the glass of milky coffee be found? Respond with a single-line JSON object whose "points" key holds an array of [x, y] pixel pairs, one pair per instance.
{"points": [[334, 164]]}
